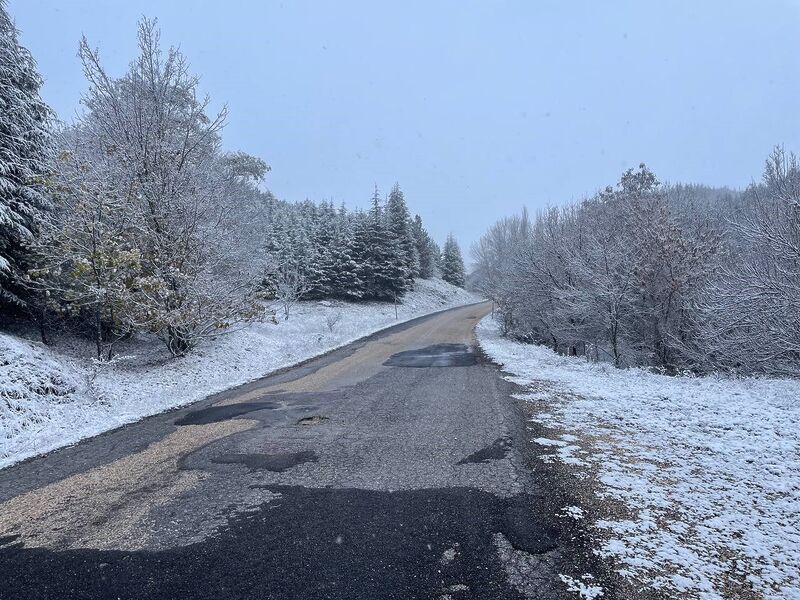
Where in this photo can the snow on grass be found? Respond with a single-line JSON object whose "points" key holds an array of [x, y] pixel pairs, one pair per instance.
{"points": [[707, 468], [50, 399], [573, 512]]}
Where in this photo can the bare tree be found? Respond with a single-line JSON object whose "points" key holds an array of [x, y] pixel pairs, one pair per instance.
{"points": [[615, 275], [290, 286], [750, 314]]}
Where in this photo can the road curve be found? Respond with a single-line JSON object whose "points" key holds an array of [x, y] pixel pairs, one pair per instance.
{"points": [[395, 467]]}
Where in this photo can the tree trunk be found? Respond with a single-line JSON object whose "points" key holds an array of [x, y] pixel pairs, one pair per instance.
{"points": [[43, 327], [99, 334]]}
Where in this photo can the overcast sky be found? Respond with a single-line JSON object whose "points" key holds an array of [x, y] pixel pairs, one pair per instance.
{"points": [[476, 108]]}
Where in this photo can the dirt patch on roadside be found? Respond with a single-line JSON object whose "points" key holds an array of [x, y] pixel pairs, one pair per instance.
{"points": [[107, 507]]}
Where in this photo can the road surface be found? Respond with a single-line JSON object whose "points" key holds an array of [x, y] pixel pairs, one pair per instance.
{"points": [[395, 467]]}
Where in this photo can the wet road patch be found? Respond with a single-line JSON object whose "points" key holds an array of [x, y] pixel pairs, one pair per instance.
{"points": [[438, 355], [214, 414], [277, 463], [389, 545], [10, 540], [495, 451]]}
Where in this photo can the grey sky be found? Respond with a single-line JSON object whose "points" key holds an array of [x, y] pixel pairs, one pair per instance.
{"points": [[476, 108]]}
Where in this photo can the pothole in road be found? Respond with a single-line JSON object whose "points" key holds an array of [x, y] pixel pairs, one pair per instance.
{"points": [[214, 414], [495, 451], [277, 463], [438, 355], [312, 420]]}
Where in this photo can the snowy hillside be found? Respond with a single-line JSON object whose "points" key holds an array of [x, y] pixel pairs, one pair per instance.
{"points": [[692, 483], [50, 399]]}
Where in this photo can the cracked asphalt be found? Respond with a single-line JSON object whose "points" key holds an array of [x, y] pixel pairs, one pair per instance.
{"points": [[395, 467]]}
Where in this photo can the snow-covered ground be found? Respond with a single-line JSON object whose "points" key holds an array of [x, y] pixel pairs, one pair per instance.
{"points": [[54, 397], [693, 483]]}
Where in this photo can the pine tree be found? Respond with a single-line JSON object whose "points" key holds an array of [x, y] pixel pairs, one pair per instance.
{"points": [[452, 263], [382, 269], [24, 143], [426, 249], [345, 280], [436, 258], [320, 271], [401, 232]]}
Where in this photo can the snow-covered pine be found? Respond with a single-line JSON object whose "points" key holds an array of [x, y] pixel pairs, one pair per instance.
{"points": [[426, 249], [24, 146], [382, 264], [346, 282], [400, 228], [320, 272], [341, 254], [453, 263]]}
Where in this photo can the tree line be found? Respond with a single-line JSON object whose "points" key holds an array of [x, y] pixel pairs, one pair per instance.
{"points": [[673, 276], [132, 218]]}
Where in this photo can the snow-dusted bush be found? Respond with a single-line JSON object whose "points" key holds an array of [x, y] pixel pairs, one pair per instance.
{"points": [[39, 395]]}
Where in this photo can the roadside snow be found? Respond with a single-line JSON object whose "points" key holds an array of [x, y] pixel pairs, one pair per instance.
{"points": [[584, 590], [50, 399], [707, 468]]}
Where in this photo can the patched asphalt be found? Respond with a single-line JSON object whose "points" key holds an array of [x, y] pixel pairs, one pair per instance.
{"points": [[398, 467]]}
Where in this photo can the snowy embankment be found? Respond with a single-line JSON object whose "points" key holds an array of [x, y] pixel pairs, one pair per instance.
{"points": [[692, 483], [50, 399]]}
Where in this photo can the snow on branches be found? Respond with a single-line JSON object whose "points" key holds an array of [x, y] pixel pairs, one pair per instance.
{"points": [[675, 277]]}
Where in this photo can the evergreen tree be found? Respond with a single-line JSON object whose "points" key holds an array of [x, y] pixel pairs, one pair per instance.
{"points": [[426, 249], [352, 256], [401, 231], [436, 257], [24, 143], [345, 280], [452, 263], [320, 269], [382, 270], [360, 254]]}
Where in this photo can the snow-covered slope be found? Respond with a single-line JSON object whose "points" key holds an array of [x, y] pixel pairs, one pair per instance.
{"points": [[706, 468], [50, 399]]}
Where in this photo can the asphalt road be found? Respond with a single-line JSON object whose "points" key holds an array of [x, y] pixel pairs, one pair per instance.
{"points": [[396, 467]]}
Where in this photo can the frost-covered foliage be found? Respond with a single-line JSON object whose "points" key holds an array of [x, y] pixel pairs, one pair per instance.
{"points": [[749, 316], [452, 263], [671, 276], [152, 228], [692, 484], [49, 399], [24, 142], [38, 391], [427, 250], [136, 239], [155, 229], [329, 252]]}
